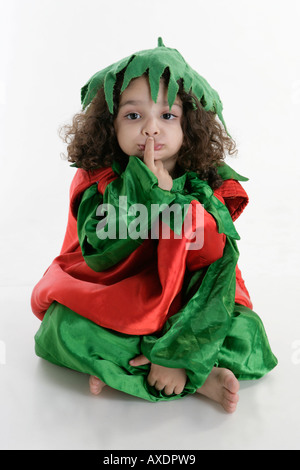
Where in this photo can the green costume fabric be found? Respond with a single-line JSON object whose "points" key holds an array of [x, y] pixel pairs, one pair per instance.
{"points": [[70, 340]]}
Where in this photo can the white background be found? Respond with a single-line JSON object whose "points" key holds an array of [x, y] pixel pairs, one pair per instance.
{"points": [[249, 52]]}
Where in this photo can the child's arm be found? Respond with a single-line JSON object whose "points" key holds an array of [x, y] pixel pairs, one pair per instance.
{"points": [[170, 380], [107, 224]]}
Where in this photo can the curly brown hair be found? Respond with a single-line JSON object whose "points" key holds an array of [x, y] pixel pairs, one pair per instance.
{"points": [[92, 141]]}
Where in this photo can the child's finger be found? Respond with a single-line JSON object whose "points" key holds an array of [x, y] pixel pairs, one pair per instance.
{"points": [[149, 153], [139, 361]]}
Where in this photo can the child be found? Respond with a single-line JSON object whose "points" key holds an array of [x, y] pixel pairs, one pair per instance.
{"points": [[150, 304]]}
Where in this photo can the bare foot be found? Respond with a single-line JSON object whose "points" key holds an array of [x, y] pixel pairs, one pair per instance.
{"points": [[221, 386], [96, 385]]}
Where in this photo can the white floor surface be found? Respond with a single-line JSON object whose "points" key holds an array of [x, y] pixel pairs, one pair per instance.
{"points": [[43, 406]]}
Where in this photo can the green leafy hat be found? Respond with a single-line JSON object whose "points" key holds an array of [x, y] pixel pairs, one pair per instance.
{"points": [[155, 61]]}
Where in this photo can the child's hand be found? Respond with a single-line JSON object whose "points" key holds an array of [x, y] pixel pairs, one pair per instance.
{"points": [[157, 167], [163, 378]]}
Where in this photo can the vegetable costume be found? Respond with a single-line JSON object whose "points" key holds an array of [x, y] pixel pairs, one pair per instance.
{"points": [[105, 300]]}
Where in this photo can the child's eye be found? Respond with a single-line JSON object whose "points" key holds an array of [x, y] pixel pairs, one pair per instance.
{"points": [[168, 116], [133, 116]]}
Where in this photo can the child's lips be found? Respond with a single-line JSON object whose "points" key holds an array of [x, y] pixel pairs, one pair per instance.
{"points": [[156, 147]]}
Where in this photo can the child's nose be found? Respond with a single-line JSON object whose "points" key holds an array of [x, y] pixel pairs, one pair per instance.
{"points": [[151, 127]]}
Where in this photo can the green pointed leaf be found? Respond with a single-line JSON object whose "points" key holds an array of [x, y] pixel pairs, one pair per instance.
{"points": [[136, 68], [172, 91], [155, 74], [109, 84]]}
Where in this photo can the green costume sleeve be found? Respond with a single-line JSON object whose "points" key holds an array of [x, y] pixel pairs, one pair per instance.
{"points": [[107, 225]]}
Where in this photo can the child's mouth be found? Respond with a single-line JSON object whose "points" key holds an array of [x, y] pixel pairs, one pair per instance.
{"points": [[156, 147]]}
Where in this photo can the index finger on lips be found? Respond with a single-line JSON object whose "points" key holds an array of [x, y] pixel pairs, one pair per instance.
{"points": [[149, 153]]}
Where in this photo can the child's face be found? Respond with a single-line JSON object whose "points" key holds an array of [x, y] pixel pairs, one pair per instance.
{"points": [[139, 118]]}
